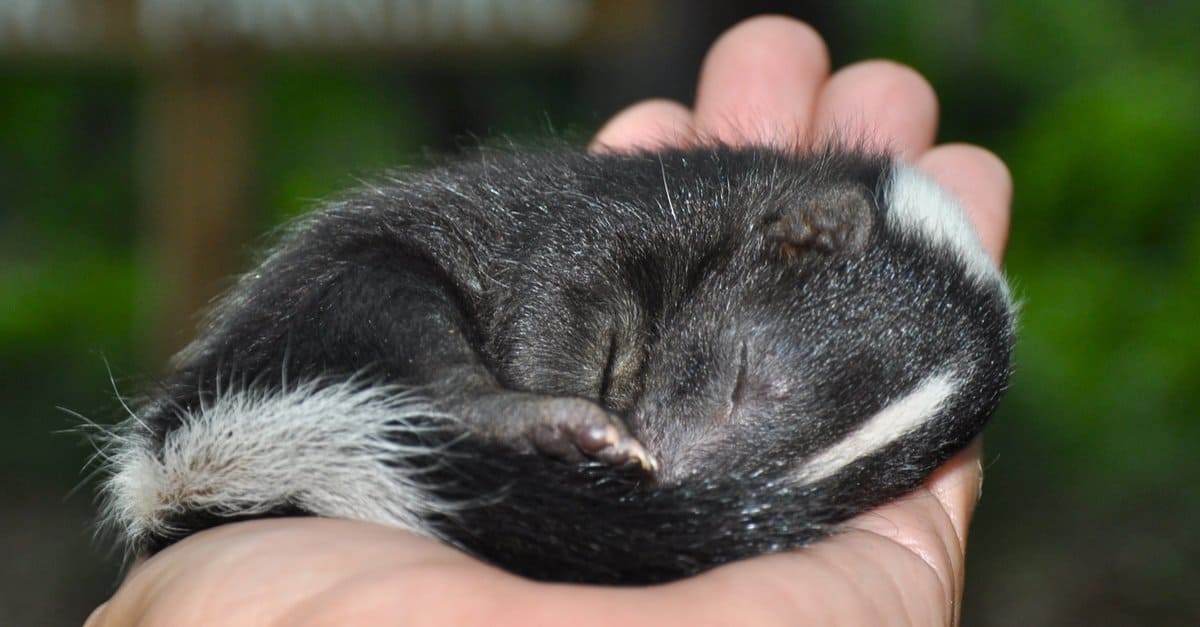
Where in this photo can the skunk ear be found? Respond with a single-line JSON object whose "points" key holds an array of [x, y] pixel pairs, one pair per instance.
{"points": [[834, 218]]}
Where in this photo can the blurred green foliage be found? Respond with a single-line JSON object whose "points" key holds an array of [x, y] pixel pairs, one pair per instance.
{"points": [[1088, 513], [1094, 104], [68, 228], [356, 125]]}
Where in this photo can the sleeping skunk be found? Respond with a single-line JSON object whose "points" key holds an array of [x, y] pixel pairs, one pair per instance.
{"points": [[579, 367]]}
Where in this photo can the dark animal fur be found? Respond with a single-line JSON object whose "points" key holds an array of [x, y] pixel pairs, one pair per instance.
{"points": [[733, 311]]}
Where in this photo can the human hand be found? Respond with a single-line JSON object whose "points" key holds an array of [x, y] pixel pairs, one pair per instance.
{"points": [[767, 80]]}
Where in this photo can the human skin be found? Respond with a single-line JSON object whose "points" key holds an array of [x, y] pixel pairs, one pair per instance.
{"points": [[767, 79]]}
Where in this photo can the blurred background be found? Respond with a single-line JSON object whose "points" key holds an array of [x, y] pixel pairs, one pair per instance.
{"points": [[145, 146]]}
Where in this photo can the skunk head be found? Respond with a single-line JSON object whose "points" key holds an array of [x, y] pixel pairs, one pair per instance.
{"points": [[808, 313]]}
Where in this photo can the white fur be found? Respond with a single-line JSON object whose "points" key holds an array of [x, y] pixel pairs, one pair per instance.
{"points": [[916, 205], [891, 423], [324, 449]]}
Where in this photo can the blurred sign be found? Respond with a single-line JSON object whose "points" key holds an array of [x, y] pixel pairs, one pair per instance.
{"points": [[74, 25], [54, 24], [291, 22]]}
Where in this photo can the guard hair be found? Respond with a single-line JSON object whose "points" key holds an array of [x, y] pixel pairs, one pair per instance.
{"points": [[346, 449], [606, 368]]}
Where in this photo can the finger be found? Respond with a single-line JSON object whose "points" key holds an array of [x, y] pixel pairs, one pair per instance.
{"points": [[879, 105], [956, 487], [646, 125], [760, 81], [96, 618], [982, 182]]}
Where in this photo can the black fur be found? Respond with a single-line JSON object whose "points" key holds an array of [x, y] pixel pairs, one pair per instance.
{"points": [[724, 313]]}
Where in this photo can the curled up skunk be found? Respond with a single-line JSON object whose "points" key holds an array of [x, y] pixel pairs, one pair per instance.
{"points": [[579, 367]]}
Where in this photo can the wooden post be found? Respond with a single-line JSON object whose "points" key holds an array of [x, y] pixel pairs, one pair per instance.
{"points": [[198, 174]]}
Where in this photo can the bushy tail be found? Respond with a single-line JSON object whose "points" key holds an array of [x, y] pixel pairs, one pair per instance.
{"points": [[589, 523], [376, 454]]}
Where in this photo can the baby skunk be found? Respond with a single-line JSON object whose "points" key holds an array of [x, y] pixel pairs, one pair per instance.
{"points": [[580, 367]]}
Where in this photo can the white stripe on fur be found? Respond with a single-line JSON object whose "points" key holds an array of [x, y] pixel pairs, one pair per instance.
{"points": [[916, 205], [325, 449], [893, 422]]}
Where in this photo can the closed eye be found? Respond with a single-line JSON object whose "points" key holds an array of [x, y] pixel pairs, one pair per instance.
{"points": [[739, 385], [610, 364]]}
